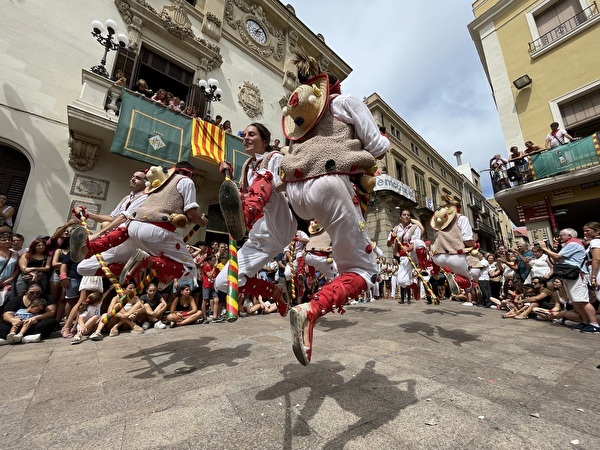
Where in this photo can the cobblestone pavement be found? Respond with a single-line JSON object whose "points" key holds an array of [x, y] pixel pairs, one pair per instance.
{"points": [[383, 376]]}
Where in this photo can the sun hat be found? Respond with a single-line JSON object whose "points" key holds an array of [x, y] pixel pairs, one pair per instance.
{"points": [[443, 217], [156, 177], [305, 107]]}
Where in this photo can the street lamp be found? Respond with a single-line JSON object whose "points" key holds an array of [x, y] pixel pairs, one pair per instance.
{"points": [[110, 28], [211, 92]]}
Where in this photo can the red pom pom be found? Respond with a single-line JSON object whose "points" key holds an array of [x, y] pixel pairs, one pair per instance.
{"points": [[293, 100], [177, 246], [368, 248], [298, 173]]}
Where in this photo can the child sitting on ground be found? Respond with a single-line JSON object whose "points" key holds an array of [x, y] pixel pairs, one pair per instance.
{"points": [[37, 306], [88, 316]]}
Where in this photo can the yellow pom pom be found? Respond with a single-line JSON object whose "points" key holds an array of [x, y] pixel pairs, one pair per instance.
{"points": [[156, 183]]}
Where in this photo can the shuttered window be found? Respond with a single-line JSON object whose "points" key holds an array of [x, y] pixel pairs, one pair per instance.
{"points": [[14, 173]]}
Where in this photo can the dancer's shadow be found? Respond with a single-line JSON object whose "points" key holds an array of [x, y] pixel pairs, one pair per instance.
{"points": [[452, 313], [326, 324], [458, 337], [421, 328], [372, 397], [370, 310], [192, 354]]}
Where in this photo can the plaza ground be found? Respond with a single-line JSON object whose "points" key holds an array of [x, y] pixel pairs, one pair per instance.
{"points": [[383, 376]]}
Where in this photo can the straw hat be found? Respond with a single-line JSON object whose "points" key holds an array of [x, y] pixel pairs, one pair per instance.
{"points": [[156, 177], [443, 217], [305, 107], [314, 227]]}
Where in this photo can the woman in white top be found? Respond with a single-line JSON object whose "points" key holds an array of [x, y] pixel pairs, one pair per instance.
{"points": [[541, 265], [591, 233]]}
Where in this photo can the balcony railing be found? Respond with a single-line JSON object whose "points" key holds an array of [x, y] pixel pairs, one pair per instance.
{"points": [[483, 228], [564, 28], [549, 163], [476, 204]]}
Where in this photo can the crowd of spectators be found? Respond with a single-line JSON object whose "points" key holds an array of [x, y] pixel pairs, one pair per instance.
{"points": [[521, 282]]}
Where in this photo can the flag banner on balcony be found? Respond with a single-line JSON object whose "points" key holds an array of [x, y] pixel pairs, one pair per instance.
{"points": [[574, 155], [151, 133]]}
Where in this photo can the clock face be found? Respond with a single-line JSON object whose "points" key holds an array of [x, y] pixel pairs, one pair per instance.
{"points": [[256, 32]]}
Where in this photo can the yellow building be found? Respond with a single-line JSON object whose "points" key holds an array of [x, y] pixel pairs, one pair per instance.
{"points": [[539, 57]]}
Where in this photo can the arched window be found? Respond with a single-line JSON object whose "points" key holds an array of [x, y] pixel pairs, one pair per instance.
{"points": [[14, 172]]}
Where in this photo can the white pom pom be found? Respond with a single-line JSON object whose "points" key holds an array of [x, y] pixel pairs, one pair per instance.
{"points": [[148, 184], [285, 111], [312, 99]]}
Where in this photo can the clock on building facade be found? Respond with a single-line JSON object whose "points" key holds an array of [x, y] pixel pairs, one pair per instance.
{"points": [[256, 31]]}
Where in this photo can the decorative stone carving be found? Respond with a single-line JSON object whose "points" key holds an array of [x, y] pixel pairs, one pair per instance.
{"points": [[211, 26], [249, 98], [84, 152], [134, 33], [290, 81], [283, 101], [293, 39], [323, 63], [255, 12], [176, 21]]}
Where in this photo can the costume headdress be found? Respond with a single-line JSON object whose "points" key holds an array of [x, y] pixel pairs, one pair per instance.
{"points": [[156, 176], [314, 228], [445, 214]]}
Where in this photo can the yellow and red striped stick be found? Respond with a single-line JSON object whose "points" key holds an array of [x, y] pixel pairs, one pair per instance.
{"points": [[292, 278], [192, 231], [231, 302]]}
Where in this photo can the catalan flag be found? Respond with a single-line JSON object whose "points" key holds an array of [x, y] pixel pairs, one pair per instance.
{"points": [[208, 141]]}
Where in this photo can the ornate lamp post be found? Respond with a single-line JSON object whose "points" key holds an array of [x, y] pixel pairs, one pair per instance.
{"points": [[211, 92], [108, 41]]}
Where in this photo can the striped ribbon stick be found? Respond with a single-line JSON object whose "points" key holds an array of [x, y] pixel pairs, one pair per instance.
{"points": [[292, 278], [232, 283], [192, 231]]}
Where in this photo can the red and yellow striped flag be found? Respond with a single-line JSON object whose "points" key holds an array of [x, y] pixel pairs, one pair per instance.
{"points": [[208, 141]]}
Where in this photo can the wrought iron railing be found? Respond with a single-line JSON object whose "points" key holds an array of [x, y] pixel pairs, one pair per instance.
{"points": [[482, 227], [564, 28]]}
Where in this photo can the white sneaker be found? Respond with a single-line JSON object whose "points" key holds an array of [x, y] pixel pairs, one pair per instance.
{"points": [[3, 342], [493, 307], [159, 325], [467, 304], [146, 325], [31, 338]]}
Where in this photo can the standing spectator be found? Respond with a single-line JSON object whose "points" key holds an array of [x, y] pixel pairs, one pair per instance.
{"points": [[210, 297], [218, 120], [142, 87], [541, 266], [227, 127], [523, 259], [573, 253], [591, 232], [499, 171], [17, 244], [557, 136], [484, 280], [6, 215], [160, 97], [531, 148]]}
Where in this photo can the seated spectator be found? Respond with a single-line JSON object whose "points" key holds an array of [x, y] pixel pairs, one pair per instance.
{"points": [[160, 97], [127, 315], [35, 265], [531, 148], [87, 286], [9, 267], [227, 127], [184, 309], [142, 87], [561, 303], [18, 329], [88, 316], [40, 325], [154, 307], [6, 215], [539, 297]]}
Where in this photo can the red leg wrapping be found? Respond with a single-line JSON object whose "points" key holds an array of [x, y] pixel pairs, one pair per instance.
{"points": [[422, 258], [257, 197], [106, 241], [336, 294]]}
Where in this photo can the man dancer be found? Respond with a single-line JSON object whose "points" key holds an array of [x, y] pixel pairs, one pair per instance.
{"points": [[149, 239]]}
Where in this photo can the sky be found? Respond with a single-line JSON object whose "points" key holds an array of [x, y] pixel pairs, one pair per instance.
{"points": [[420, 58]]}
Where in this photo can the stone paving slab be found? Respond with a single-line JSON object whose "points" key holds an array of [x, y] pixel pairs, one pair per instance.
{"points": [[383, 376]]}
